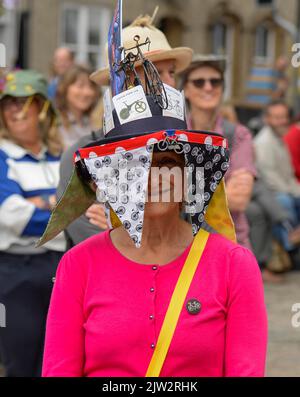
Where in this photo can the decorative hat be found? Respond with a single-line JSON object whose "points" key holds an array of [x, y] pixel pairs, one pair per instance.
{"points": [[140, 119], [158, 50], [27, 84]]}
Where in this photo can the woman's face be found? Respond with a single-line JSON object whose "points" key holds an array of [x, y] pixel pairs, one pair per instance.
{"points": [[204, 88], [23, 130], [166, 184], [81, 94]]}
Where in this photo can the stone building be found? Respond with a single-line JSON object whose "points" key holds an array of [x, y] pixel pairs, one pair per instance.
{"points": [[248, 31]]}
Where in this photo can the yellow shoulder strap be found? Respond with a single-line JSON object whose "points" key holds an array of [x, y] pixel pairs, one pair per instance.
{"points": [[176, 303]]}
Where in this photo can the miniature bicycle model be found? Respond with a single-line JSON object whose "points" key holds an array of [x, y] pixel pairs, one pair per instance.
{"points": [[153, 83]]}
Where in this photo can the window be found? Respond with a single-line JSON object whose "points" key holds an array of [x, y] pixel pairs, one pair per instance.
{"points": [[222, 44], [8, 36], [84, 30], [264, 45], [219, 39], [264, 2]]}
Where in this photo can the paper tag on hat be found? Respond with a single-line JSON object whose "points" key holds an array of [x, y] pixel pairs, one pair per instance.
{"points": [[175, 103], [108, 121], [132, 105]]}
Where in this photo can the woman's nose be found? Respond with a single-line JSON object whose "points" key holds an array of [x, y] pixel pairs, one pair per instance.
{"points": [[15, 108], [207, 86]]}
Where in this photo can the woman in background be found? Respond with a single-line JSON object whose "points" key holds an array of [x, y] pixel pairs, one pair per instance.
{"points": [[76, 99], [30, 151]]}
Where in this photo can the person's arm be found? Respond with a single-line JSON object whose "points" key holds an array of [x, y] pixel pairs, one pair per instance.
{"points": [[268, 168], [292, 140], [88, 224], [267, 200], [64, 341], [65, 171], [19, 215], [246, 322], [242, 171], [239, 189]]}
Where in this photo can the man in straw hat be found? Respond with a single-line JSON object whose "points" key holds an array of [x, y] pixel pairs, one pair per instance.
{"points": [[169, 62]]}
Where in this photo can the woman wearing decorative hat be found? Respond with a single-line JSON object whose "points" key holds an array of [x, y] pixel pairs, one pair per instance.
{"points": [[29, 160], [154, 295], [169, 62]]}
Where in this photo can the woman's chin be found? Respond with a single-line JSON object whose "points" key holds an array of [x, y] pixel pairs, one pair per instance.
{"points": [[154, 210]]}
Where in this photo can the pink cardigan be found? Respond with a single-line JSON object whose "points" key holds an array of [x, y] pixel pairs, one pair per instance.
{"points": [[106, 312]]}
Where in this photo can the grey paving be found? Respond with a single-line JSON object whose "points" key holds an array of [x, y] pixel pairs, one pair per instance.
{"points": [[283, 357]]}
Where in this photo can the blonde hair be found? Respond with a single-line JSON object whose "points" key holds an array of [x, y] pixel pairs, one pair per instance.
{"points": [[48, 129], [69, 78]]}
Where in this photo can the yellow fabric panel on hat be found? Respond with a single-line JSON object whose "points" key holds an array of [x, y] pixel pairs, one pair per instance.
{"points": [[218, 215]]}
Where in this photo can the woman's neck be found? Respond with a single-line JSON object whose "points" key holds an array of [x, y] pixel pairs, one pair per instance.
{"points": [[77, 114], [162, 231], [31, 147], [34, 148], [204, 120], [164, 239]]}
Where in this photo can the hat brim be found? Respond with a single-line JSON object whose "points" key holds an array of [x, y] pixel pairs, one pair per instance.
{"points": [[181, 55]]}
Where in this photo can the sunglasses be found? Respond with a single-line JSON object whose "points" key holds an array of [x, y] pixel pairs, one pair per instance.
{"points": [[8, 101], [214, 82]]}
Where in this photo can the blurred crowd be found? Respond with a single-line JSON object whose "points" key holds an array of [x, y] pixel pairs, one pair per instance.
{"points": [[42, 125]]}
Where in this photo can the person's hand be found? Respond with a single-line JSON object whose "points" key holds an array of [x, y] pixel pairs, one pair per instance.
{"points": [[42, 204], [239, 190], [96, 216], [52, 201]]}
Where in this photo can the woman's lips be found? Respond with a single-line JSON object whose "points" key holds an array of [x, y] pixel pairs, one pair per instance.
{"points": [[158, 192]]}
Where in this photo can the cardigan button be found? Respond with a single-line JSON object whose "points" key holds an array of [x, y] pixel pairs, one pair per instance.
{"points": [[154, 267], [152, 345], [151, 289]]}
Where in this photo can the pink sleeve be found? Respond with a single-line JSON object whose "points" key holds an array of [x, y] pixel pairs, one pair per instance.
{"points": [[246, 332], [242, 153], [64, 343]]}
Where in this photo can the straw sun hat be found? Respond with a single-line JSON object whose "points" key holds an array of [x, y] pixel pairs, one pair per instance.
{"points": [[160, 49]]}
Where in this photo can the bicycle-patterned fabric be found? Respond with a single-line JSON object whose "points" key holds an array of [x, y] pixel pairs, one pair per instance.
{"points": [[125, 191]]}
